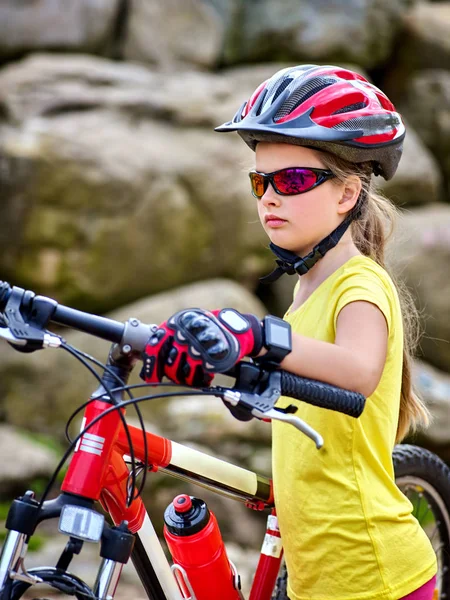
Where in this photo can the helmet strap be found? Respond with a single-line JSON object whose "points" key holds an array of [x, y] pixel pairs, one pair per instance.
{"points": [[290, 263]]}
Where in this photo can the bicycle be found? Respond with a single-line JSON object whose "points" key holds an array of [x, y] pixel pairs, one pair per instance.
{"points": [[99, 472]]}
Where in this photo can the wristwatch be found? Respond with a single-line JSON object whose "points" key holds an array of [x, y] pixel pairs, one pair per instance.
{"points": [[277, 339]]}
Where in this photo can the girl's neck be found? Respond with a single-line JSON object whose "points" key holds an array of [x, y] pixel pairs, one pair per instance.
{"points": [[326, 266]]}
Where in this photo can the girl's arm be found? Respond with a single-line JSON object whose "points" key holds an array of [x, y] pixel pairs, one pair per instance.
{"points": [[356, 359]]}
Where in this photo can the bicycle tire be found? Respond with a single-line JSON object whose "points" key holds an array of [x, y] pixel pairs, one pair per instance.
{"points": [[425, 479], [66, 583]]}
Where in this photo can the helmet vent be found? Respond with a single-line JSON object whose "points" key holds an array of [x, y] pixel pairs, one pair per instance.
{"points": [[277, 87], [350, 108], [302, 93], [283, 85]]}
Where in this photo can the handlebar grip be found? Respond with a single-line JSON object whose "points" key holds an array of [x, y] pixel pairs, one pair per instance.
{"points": [[322, 394]]}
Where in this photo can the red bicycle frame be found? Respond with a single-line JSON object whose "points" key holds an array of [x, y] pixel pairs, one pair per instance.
{"points": [[98, 471]]}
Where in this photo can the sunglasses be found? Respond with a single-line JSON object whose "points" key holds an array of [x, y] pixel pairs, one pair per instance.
{"points": [[288, 182]]}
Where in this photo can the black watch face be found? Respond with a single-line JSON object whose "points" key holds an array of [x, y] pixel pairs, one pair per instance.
{"points": [[277, 333], [279, 336]]}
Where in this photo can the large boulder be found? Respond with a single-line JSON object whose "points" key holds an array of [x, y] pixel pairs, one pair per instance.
{"points": [[39, 391], [83, 26], [174, 32], [419, 254], [426, 105], [418, 179], [357, 31], [433, 386], [24, 460], [113, 190], [425, 41]]}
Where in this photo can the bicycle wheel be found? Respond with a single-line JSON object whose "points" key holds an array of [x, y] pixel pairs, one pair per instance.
{"points": [[66, 583], [425, 480]]}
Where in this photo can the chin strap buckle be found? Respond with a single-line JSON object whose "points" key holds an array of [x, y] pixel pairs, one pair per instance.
{"points": [[288, 262]]}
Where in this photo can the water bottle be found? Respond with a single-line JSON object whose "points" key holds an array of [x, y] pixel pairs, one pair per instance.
{"points": [[195, 543]]}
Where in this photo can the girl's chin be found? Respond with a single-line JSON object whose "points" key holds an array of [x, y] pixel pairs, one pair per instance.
{"points": [[287, 244]]}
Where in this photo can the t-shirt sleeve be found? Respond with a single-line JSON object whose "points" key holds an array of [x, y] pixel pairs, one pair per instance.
{"points": [[368, 288]]}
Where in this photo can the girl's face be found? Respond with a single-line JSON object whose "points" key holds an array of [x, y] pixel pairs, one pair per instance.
{"points": [[299, 222]]}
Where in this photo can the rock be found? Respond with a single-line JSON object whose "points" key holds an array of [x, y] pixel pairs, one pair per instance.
{"points": [[418, 179], [425, 41], [85, 25], [433, 387], [174, 31], [23, 460], [361, 32], [208, 424], [419, 254], [43, 85], [107, 167], [426, 105], [40, 391]]}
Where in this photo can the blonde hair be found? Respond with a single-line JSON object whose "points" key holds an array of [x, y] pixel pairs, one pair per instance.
{"points": [[370, 233]]}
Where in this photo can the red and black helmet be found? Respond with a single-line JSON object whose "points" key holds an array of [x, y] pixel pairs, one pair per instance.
{"points": [[324, 107]]}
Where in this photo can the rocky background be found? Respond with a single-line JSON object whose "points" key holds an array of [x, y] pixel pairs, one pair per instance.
{"points": [[118, 197]]}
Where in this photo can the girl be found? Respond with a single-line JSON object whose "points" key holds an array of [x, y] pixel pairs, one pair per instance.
{"points": [[319, 133]]}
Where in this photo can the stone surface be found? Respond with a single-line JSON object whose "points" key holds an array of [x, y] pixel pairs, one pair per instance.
{"points": [[434, 387], [426, 37], [420, 254], [426, 106], [108, 198], [85, 25], [360, 31], [23, 460], [418, 179], [174, 32]]}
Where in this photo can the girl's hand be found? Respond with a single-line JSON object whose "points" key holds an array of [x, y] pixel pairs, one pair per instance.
{"points": [[194, 344]]}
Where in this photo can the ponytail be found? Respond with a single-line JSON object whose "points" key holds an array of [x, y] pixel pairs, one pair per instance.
{"points": [[370, 233]]}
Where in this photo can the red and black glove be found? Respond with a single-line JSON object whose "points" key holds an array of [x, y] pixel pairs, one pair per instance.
{"points": [[194, 344]]}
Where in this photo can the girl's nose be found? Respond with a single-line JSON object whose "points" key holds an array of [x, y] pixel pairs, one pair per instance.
{"points": [[270, 197]]}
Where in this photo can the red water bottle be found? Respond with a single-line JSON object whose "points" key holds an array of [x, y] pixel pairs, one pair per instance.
{"points": [[193, 536]]}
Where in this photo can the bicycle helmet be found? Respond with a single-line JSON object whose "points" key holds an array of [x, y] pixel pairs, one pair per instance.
{"points": [[328, 108]]}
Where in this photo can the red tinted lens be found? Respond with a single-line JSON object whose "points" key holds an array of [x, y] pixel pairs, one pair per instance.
{"points": [[294, 181], [258, 187]]}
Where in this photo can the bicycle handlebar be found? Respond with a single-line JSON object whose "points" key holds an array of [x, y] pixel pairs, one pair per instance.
{"points": [[136, 335], [104, 328]]}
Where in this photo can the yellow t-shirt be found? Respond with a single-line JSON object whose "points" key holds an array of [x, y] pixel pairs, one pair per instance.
{"points": [[347, 530]]}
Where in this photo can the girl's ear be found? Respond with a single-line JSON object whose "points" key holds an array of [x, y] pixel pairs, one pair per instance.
{"points": [[350, 194]]}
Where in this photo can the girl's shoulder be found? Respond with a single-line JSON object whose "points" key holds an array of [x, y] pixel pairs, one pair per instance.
{"points": [[360, 268], [361, 278]]}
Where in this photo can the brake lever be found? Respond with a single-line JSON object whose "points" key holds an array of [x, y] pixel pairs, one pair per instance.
{"points": [[28, 335], [48, 340], [275, 415], [7, 335], [256, 394]]}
